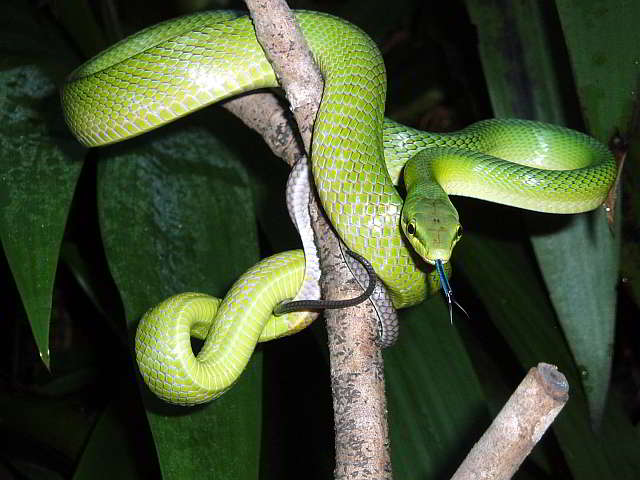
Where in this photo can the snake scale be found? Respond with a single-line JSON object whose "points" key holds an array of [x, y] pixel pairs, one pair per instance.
{"points": [[174, 68]]}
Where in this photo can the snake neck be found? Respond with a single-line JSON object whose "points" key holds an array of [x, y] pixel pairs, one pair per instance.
{"points": [[347, 156], [521, 163]]}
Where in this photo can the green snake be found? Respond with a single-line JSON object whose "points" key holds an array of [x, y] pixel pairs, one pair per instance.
{"points": [[176, 67]]}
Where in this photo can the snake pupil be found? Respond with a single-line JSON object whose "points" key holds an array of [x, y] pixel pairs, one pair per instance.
{"points": [[459, 231], [411, 228]]}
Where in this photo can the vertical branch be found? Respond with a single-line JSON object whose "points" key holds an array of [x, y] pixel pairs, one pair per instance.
{"points": [[292, 61], [357, 373], [357, 369]]}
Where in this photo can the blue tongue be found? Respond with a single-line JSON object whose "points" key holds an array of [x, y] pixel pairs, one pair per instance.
{"points": [[446, 288]]}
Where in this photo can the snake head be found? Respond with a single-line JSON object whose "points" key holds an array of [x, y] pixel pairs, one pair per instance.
{"points": [[433, 229]]}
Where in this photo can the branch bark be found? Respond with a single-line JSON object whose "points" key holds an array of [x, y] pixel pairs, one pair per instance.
{"points": [[518, 427], [265, 113], [357, 371]]}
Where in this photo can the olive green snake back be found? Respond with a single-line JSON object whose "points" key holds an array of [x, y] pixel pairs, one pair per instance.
{"points": [[177, 67]]}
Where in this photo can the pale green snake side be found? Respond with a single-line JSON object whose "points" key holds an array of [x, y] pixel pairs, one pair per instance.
{"points": [[179, 66]]}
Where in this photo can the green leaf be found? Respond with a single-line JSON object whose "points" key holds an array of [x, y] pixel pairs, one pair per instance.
{"points": [[579, 264], [39, 166], [518, 56], [176, 215], [601, 38], [27, 37], [79, 21], [436, 406], [113, 449], [54, 424], [528, 77], [109, 451], [602, 42]]}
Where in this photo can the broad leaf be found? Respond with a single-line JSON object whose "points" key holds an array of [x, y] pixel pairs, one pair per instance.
{"points": [[39, 162], [115, 449], [603, 38], [177, 215]]}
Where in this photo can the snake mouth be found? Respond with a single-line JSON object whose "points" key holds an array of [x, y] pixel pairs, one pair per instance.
{"points": [[444, 281], [434, 262]]}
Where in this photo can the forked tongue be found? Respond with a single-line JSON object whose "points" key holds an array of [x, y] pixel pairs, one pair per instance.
{"points": [[446, 288]]}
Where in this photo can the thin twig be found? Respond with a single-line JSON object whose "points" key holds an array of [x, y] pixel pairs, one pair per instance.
{"points": [[518, 427], [357, 379]]}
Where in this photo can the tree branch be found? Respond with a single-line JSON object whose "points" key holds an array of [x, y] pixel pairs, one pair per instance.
{"points": [[281, 39], [518, 427], [265, 113], [357, 379]]}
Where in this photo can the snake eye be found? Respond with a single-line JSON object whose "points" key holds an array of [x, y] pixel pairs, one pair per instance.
{"points": [[459, 231], [411, 227]]}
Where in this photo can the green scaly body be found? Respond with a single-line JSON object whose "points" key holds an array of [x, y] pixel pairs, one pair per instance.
{"points": [[179, 66]]}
